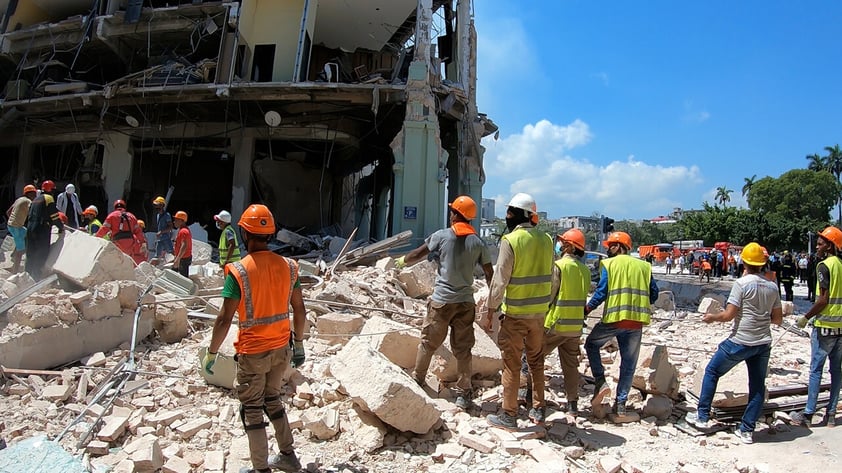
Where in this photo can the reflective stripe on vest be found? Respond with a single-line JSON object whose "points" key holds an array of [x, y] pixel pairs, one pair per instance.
{"points": [[568, 311], [831, 315], [628, 290], [223, 246], [528, 291], [266, 284]]}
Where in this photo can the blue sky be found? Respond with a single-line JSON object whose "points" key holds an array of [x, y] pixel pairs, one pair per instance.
{"points": [[633, 108]]}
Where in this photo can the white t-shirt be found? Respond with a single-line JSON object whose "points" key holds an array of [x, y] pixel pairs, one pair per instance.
{"points": [[755, 297]]}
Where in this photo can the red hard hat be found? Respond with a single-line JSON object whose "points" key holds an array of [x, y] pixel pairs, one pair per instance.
{"points": [[119, 204], [48, 186]]}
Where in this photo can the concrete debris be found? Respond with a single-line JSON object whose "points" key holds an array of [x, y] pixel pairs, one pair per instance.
{"points": [[658, 406], [170, 318], [322, 423], [418, 279], [710, 305], [89, 261], [366, 429], [655, 373], [392, 395], [339, 323], [396, 341]]}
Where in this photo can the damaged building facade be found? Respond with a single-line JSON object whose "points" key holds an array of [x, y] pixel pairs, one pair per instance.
{"points": [[336, 114]]}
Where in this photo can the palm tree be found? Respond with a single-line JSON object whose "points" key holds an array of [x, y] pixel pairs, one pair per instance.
{"points": [[816, 162], [748, 184], [723, 194], [833, 162]]}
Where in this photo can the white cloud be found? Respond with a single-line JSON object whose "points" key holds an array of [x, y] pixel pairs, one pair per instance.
{"points": [[602, 77], [695, 114], [538, 161]]}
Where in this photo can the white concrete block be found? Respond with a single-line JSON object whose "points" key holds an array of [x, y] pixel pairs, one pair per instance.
{"points": [[338, 323], [397, 341], [88, 261]]}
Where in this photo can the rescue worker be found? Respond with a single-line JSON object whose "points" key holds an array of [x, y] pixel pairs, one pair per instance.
{"points": [[183, 245], [229, 247], [122, 229], [43, 215], [457, 250], [522, 283], [68, 203], [753, 304], [261, 288], [164, 228], [94, 224], [16, 215], [826, 339], [787, 274], [628, 289]]}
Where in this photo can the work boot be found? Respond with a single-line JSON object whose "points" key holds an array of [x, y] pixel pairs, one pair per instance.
{"points": [[503, 421], [801, 418], [572, 408], [692, 418], [620, 408], [537, 415], [601, 390], [830, 417], [285, 462]]}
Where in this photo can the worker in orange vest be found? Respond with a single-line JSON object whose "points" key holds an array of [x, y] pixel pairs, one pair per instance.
{"points": [[261, 288]]}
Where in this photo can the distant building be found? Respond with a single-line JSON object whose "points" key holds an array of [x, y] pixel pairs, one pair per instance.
{"points": [[487, 209], [586, 224], [542, 215], [662, 219], [487, 229]]}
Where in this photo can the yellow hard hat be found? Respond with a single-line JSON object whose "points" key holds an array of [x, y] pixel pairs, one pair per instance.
{"points": [[754, 254], [159, 201]]}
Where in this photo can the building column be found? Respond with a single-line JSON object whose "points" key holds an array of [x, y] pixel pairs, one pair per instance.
{"points": [[25, 152], [116, 165], [243, 148], [420, 163]]}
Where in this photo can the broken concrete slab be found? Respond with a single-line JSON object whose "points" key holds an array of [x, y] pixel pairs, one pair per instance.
{"points": [[397, 341], [658, 406], [43, 310], [419, 279], [87, 260], [339, 323], [710, 305], [655, 374], [104, 302], [367, 430], [171, 318], [322, 423], [391, 395]]}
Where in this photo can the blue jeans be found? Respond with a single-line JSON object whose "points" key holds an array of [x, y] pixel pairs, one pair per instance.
{"points": [[729, 355], [822, 348], [629, 341]]}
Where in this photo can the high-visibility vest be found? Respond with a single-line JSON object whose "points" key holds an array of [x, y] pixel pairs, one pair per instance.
{"points": [[228, 234], [266, 281], [831, 315], [568, 310], [94, 223], [628, 290], [530, 285]]}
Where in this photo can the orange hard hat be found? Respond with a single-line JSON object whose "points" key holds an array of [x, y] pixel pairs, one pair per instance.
{"points": [[29, 188], [62, 217], [258, 220], [91, 210], [622, 238], [575, 237], [181, 215], [833, 235], [119, 204], [48, 186], [141, 224], [464, 206]]}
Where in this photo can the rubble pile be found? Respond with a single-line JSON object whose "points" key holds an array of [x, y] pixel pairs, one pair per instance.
{"points": [[353, 405]]}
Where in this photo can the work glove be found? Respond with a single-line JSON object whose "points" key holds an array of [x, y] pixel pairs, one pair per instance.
{"points": [[298, 355], [802, 322], [208, 361], [400, 263]]}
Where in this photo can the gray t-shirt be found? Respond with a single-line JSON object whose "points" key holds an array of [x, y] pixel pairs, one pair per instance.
{"points": [[755, 297], [457, 257]]}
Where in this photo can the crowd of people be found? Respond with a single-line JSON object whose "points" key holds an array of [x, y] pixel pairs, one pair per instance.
{"points": [[31, 217]]}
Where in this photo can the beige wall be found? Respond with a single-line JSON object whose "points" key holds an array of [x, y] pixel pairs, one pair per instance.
{"points": [[275, 22]]}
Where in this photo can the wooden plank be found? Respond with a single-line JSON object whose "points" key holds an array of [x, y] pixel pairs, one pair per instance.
{"points": [[10, 371], [395, 241], [9, 303]]}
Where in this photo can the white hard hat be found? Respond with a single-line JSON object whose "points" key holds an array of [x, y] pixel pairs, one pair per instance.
{"points": [[223, 216], [525, 202]]}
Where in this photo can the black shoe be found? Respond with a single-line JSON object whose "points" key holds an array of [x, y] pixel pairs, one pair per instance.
{"points": [[620, 408], [504, 421], [285, 462], [801, 418], [537, 415], [572, 408]]}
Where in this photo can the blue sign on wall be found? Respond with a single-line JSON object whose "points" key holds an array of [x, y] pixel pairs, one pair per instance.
{"points": [[410, 213]]}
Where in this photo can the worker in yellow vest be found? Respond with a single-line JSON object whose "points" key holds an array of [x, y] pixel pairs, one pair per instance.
{"points": [[521, 288], [826, 339], [229, 247], [628, 289]]}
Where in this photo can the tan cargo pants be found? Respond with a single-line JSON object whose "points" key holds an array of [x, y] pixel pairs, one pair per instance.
{"points": [[259, 378], [459, 318], [568, 354], [514, 334]]}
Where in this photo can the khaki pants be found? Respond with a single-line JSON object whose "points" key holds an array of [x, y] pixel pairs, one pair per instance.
{"points": [[516, 333], [459, 318], [259, 379], [568, 354]]}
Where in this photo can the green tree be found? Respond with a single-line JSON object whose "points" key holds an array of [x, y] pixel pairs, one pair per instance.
{"points": [[723, 195], [833, 161], [749, 181], [817, 163]]}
